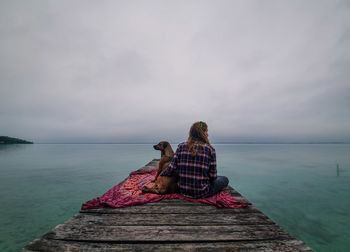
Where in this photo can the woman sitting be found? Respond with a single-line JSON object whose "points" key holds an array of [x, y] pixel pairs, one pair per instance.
{"points": [[195, 165]]}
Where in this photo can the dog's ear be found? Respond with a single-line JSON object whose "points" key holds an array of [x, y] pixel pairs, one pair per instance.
{"points": [[165, 145]]}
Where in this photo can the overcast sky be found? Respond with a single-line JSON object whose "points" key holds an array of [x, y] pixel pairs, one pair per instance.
{"points": [[144, 71]]}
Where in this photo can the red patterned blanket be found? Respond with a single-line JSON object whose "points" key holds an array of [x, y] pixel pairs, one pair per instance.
{"points": [[129, 193]]}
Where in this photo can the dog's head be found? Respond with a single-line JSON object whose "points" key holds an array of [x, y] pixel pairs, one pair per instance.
{"points": [[161, 146], [165, 148]]}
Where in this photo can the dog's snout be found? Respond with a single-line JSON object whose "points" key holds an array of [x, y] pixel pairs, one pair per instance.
{"points": [[155, 147]]}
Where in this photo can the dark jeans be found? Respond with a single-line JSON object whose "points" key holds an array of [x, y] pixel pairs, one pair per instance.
{"points": [[217, 185]]}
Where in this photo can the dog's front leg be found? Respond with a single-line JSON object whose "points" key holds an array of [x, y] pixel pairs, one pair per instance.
{"points": [[159, 170]]}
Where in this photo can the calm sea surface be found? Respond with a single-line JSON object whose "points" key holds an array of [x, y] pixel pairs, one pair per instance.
{"points": [[296, 185]]}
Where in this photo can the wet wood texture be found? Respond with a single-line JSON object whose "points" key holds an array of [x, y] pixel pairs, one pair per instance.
{"points": [[169, 225]]}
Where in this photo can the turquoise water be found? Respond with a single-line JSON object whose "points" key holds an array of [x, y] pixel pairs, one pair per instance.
{"points": [[296, 185]]}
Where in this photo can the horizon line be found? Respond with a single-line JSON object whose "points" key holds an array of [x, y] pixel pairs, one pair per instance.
{"points": [[250, 142]]}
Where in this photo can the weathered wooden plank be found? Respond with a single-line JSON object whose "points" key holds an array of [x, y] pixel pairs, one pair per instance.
{"points": [[88, 232], [166, 209], [169, 219], [232, 191], [57, 245], [185, 202], [176, 202], [151, 165]]}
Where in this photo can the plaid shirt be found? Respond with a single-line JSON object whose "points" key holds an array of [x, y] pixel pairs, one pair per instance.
{"points": [[194, 172]]}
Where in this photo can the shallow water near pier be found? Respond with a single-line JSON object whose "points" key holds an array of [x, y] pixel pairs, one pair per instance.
{"points": [[296, 185]]}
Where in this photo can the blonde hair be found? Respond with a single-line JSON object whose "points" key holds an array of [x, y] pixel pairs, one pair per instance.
{"points": [[197, 136]]}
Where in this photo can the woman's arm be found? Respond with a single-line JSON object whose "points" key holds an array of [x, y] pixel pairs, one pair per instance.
{"points": [[212, 166]]}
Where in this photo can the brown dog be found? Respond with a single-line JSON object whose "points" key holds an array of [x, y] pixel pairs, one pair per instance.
{"points": [[163, 184]]}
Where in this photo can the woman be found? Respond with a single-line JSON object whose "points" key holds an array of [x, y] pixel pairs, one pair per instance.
{"points": [[195, 165]]}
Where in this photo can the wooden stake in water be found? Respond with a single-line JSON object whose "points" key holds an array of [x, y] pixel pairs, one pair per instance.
{"points": [[337, 170]]}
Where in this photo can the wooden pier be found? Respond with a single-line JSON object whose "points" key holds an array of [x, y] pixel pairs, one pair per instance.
{"points": [[169, 225]]}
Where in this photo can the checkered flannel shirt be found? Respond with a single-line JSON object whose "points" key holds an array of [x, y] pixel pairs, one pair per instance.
{"points": [[194, 172]]}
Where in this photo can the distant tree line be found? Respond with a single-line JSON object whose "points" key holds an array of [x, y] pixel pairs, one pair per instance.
{"points": [[12, 140]]}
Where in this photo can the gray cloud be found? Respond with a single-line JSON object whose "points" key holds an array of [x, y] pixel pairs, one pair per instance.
{"points": [[141, 71]]}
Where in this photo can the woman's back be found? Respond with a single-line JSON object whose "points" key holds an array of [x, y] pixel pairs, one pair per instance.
{"points": [[195, 172]]}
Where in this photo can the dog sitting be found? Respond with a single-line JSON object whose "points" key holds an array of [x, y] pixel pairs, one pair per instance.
{"points": [[163, 184]]}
